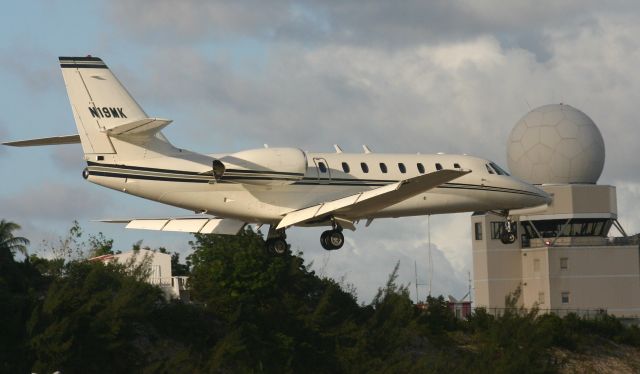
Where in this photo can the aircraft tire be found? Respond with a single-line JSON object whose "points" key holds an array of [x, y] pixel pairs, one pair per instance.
{"points": [[335, 239], [507, 237], [332, 240], [323, 240], [277, 246], [280, 246]]}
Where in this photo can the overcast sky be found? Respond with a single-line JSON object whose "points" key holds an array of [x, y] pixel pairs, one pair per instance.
{"points": [[412, 76]]}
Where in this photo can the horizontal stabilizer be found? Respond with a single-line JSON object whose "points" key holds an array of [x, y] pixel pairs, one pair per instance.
{"points": [[145, 125], [367, 202], [202, 225], [54, 140]]}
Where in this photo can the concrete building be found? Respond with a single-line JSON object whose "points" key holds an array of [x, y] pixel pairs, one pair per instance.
{"points": [[564, 257], [174, 287]]}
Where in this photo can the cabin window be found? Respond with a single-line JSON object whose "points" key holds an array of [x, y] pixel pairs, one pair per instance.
{"points": [[383, 167], [477, 228], [438, 166], [322, 167], [402, 168], [420, 168], [456, 165], [489, 169], [345, 167], [365, 168]]}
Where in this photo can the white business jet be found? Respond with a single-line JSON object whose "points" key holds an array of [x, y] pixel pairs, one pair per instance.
{"points": [[282, 187]]}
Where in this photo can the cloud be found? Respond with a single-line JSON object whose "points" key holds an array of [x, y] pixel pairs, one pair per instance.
{"points": [[4, 136], [452, 76], [369, 255], [52, 201], [68, 158], [376, 24], [459, 97], [31, 65], [628, 197]]}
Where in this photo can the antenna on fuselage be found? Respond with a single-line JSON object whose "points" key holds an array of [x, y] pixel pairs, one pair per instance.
{"points": [[366, 148], [337, 148]]}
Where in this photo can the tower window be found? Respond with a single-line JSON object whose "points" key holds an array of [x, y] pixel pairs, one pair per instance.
{"points": [[365, 168], [383, 167], [420, 168], [345, 167], [402, 168], [565, 297], [477, 229], [564, 263]]}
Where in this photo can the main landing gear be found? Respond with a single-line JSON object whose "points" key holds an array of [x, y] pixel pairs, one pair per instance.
{"points": [[276, 242], [332, 239]]}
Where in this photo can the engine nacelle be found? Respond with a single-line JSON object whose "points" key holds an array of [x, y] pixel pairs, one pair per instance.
{"points": [[266, 166]]}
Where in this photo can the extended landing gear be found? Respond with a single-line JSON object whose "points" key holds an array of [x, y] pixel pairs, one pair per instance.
{"points": [[332, 239], [508, 233], [276, 243]]}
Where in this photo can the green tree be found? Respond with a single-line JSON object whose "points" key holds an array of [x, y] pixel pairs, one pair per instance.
{"points": [[278, 316], [99, 245], [514, 342], [10, 244], [93, 319], [20, 284]]}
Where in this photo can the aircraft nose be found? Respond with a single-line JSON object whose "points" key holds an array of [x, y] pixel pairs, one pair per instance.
{"points": [[539, 196]]}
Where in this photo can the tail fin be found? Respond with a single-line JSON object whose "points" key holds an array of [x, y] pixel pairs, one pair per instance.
{"points": [[104, 110]]}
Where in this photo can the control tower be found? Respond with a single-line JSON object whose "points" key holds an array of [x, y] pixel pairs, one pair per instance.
{"points": [[564, 258]]}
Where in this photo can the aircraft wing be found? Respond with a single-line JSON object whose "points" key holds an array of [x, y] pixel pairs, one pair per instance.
{"points": [[202, 225], [367, 202]]}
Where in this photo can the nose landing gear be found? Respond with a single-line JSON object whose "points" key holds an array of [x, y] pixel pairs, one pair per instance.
{"points": [[508, 234]]}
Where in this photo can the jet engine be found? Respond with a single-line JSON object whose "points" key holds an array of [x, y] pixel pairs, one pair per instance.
{"points": [[266, 166]]}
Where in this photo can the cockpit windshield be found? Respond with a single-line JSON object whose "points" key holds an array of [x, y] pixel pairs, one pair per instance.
{"points": [[498, 169]]}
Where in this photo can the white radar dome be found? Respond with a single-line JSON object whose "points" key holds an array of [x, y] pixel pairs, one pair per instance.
{"points": [[556, 144]]}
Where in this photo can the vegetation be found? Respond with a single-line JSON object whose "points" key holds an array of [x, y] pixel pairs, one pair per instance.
{"points": [[255, 313]]}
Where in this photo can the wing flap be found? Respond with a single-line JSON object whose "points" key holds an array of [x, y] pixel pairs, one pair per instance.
{"points": [[366, 202], [52, 140], [147, 224], [185, 225], [202, 225]]}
